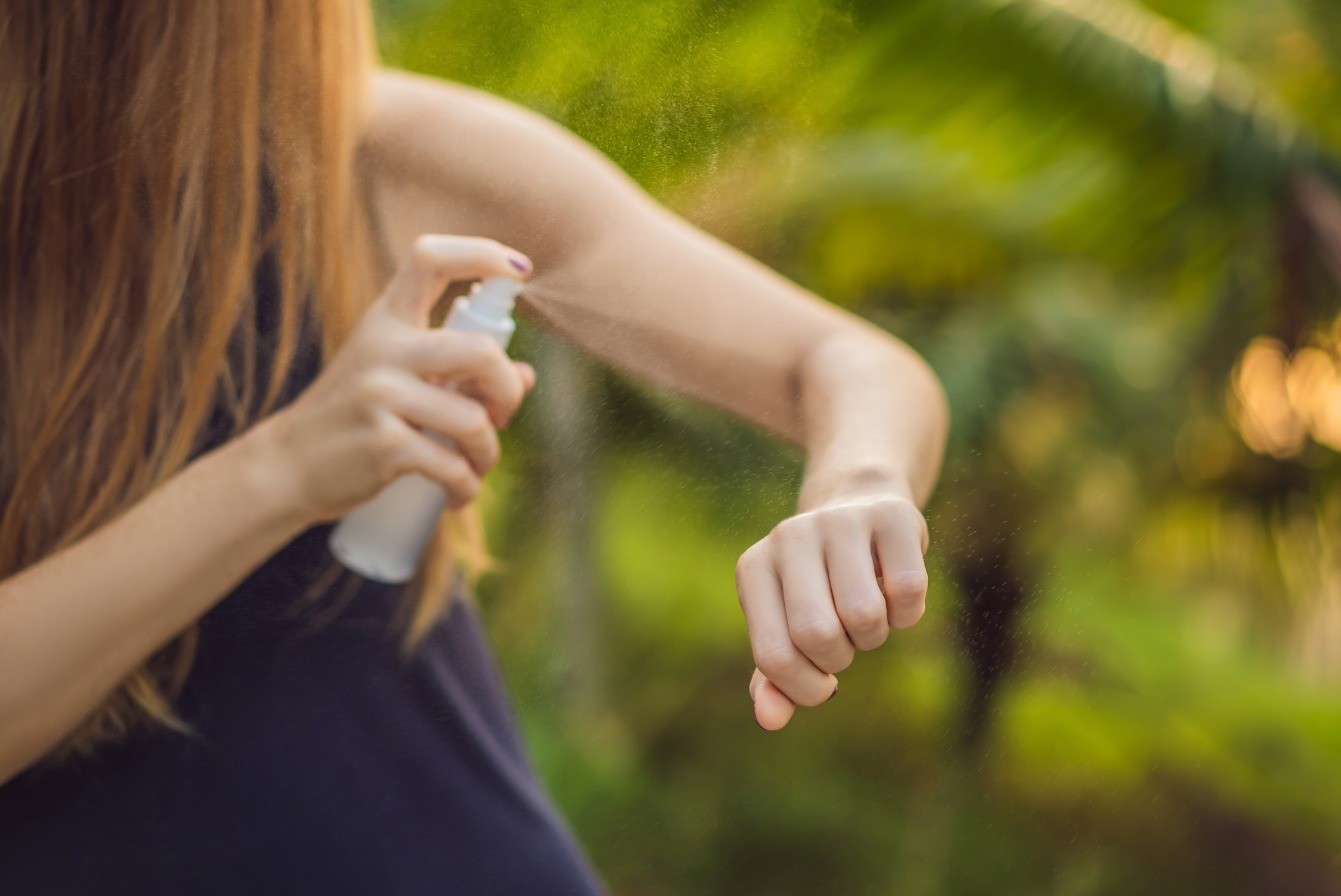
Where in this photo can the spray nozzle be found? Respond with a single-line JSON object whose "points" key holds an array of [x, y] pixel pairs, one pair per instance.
{"points": [[495, 295]]}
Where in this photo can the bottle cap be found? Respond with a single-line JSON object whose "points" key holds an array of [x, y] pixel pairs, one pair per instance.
{"points": [[495, 296]]}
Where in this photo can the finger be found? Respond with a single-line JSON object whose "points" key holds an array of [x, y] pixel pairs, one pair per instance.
{"points": [[528, 383], [470, 362], [434, 260], [811, 615], [528, 374], [900, 541], [765, 617], [772, 708], [451, 414], [443, 465], [860, 603]]}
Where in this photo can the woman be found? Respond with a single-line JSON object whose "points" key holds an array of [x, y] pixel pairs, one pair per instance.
{"points": [[225, 232]]}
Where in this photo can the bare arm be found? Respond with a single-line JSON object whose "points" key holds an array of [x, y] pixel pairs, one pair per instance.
{"points": [[74, 625], [633, 284]]}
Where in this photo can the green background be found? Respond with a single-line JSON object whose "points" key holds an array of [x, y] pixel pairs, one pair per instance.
{"points": [[1129, 676]]}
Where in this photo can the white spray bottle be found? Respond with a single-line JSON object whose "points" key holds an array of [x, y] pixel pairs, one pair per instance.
{"points": [[385, 538]]}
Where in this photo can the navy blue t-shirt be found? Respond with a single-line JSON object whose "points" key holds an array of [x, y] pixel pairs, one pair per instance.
{"points": [[321, 764]]}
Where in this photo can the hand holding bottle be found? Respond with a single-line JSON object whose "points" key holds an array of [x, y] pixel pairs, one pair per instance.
{"points": [[356, 428]]}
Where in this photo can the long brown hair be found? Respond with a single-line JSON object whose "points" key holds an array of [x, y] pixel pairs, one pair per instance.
{"points": [[134, 140]]}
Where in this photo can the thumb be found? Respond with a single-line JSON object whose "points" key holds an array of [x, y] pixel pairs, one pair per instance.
{"points": [[772, 708], [527, 374]]}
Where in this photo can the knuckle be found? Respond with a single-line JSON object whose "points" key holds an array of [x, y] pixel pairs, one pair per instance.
{"points": [[868, 621], [742, 570], [391, 449], [907, 587], [424, 249], [817, 634], [376, 388], [792, 531], [776, 660], [400, 346], [471, 350], [394, 464], [475, 421], [824, 511], [897, 511], [451, 465], [752, 558], [361, 349], [870, 641], [757, 553], [841, 662], [437, 348], [866, 618], [840, 521], [811, 698], [480, 345], [388, 436], [461, 484]]}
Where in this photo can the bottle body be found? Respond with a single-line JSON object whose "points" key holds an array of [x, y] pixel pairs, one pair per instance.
{"points": [[384, 539]]}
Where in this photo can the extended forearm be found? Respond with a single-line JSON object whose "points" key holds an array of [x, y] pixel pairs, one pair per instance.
{"points": [[75, 624], [872, 414]]}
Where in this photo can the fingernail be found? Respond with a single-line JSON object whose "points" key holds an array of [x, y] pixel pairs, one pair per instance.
{"points": [[520, 264], [761, 727], [831, 696]]}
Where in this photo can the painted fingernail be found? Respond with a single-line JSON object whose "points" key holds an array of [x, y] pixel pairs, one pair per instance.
{"points": [[831, 696], [520, 264]]}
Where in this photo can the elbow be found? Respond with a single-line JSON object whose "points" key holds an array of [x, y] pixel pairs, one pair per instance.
{"points": [[22, 745], [926, 407], [867, 351], [863, 383], [921, 379], [17, 757], [12, 764]]}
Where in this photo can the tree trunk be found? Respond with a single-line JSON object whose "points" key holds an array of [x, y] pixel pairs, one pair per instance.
{"points": [[988, 571]]}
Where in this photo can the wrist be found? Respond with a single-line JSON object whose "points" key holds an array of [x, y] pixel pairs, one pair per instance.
{"points": [[854, 482], [270, 478], [874, 421]]}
